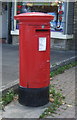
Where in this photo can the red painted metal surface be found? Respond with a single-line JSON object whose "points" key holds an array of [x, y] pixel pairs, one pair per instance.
{"points": [[34, 64]]}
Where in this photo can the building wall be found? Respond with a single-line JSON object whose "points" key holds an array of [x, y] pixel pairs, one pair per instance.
{"points": [[3, 21], [75, 25], [4, 24], [73, 42], [0, 20], [15, 39], [0, 26]]}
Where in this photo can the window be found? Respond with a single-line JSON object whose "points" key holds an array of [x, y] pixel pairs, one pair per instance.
{"points": [[55, 9]]}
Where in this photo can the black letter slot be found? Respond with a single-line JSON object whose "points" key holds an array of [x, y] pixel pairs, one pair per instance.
{"points": [[42, 30]]}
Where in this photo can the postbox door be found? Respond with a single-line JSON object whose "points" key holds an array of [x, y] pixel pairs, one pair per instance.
{"points": [[40, 72]]}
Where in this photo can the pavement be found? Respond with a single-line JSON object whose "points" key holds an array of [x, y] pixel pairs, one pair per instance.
{"points": [[64, 82], [10, 63]]}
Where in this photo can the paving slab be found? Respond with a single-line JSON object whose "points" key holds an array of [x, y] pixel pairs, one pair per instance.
{"points": [[66, 82], [15, 110]]}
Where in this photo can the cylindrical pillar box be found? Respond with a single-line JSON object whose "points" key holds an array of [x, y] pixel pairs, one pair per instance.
{"points": [[34, 46]]}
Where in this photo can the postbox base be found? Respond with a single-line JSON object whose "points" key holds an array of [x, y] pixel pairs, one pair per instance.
{"points": [[33, 97]]}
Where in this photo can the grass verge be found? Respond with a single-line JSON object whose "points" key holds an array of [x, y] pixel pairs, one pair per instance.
{"points": [[63, 68], [7, 98], [56, 99]]}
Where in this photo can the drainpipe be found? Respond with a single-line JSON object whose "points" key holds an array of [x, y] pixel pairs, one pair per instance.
{"points": [[9, 37]]}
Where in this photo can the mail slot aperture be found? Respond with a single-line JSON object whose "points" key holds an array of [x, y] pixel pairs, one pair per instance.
{"points": [[42, 30]]}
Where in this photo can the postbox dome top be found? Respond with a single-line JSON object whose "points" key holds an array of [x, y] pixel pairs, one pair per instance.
{"points": [[33, 16]]}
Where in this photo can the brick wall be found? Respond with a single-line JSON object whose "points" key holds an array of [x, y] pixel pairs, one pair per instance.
{"points": [[75, 24], [73, 42]]}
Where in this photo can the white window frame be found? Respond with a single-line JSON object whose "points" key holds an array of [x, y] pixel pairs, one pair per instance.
{"points": [[15, 13], [15, 31]]}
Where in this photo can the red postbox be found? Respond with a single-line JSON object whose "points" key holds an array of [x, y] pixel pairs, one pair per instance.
{"points": [[34, 47]]}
